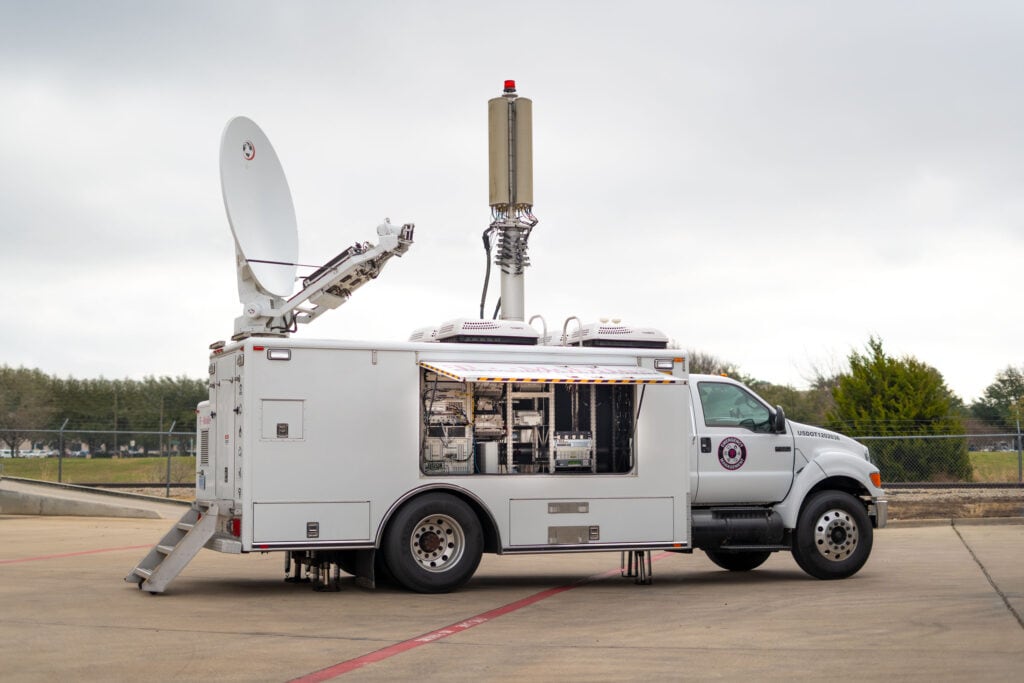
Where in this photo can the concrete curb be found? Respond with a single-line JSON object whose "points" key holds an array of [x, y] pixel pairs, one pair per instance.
{"points": [[31, 497], [104, 492], [954, 521], [19, 503]]}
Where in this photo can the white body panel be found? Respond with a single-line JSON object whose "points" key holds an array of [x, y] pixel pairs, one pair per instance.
{"points": [[321, 448]]}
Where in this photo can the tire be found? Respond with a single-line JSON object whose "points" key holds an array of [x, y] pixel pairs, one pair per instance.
{"points": [[737, 561], [434, 544], [833, 536], [381, 573]]}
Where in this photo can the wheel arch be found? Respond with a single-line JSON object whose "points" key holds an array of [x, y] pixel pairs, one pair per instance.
{"points": [[489, 527], [837, 483], [811, 480]]}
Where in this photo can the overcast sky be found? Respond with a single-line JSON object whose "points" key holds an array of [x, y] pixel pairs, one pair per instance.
{"points": [[771, 183]]}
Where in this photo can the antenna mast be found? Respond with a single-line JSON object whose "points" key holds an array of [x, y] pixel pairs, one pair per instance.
{"points": [[510, 143]]}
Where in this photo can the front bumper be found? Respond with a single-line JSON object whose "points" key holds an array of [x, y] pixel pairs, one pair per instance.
{"points": [[879, 511]]}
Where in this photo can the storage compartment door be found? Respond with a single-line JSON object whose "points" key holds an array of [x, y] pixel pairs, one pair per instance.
{"points": [[313, 523], [588, 521]]}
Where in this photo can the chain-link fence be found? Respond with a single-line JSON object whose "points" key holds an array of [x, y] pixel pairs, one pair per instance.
{"points": [[165, 459], [960, 458], [162, 459]]}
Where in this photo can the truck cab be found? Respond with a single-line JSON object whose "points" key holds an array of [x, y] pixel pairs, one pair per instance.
{"points": [[763, 483]]}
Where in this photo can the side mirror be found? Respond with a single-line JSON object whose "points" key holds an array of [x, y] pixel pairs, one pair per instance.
{"points": [[779, 420]]}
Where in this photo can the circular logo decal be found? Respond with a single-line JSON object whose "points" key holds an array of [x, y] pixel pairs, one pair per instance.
{"points": [[248, 150], [732, 453]]}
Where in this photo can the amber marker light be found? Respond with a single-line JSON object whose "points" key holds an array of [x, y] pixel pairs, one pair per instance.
{"points": [[876, 479]]}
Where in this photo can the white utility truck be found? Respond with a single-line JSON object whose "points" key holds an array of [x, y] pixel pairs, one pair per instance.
{"points": [[410, 459]]}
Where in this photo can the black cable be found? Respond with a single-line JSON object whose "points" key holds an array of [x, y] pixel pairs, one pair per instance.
{"points": [[496, 309], [632, 436], [487, 274]]}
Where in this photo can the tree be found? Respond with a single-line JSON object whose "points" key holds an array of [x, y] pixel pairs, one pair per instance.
{"points": [[886, 396], [702, 363], [25, 405], [809, 406], [96, 408], [1002, 401]]}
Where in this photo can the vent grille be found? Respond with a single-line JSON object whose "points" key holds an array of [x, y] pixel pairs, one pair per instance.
{"points": [[204, 447]]}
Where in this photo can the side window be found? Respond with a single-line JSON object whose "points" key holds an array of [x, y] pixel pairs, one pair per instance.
{"points": [[727, 405]]}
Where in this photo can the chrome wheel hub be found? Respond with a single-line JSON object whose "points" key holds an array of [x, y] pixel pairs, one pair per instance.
{"points": [[437, 543], [835, 535]]}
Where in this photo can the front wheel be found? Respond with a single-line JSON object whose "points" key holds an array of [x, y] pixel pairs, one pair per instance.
{"points": [[737, 562], [833, 536], [434, 544]]}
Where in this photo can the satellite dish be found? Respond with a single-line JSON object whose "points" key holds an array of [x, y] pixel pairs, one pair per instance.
{"points": [[259, 206]]}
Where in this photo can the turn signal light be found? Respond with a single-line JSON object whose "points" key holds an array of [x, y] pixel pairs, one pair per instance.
{"points": [[876, 479]]}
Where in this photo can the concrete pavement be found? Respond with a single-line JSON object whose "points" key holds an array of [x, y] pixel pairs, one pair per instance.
{"points": [[934, 602]]}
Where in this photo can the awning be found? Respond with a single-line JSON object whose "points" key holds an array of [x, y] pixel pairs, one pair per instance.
{"points": [[543, 372]]}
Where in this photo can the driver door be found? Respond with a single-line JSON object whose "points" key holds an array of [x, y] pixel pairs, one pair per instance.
{"points": [[739, 459]]}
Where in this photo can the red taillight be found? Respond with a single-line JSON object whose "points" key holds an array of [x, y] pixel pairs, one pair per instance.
{"points": [[235, 527]]}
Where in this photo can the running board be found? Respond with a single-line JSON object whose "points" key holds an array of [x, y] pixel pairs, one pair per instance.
{"points": [[176, 549]]}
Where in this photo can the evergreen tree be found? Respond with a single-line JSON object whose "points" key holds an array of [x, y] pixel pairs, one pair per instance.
{"points": [[883, 396], [1003, 401], [95, 408], [25, 404]]}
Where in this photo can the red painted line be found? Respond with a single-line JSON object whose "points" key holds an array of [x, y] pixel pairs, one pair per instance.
{"points": [[450, 630], [80, 552]]}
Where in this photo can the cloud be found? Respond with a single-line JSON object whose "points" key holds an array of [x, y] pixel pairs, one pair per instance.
{"points": [[770, 183]]}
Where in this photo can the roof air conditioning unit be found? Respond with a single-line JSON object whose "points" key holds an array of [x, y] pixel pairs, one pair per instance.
{"points": [[624, 336], [476, 331]]}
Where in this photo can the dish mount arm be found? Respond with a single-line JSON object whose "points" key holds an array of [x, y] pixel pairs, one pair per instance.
{"points": [[267, 315]]}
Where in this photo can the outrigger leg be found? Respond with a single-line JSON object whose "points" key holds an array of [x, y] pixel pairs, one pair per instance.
{"points": [[636, 564]]}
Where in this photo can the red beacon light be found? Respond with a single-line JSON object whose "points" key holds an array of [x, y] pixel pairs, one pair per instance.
{"points": [[510, 86]]}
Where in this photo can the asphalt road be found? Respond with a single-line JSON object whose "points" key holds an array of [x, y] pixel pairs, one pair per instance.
{"points": [[933, 602]]}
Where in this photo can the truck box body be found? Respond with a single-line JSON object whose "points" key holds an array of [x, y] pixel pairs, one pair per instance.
{"points": [[314, 444]]}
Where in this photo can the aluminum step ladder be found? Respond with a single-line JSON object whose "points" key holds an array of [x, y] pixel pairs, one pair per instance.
{"points": [[176, 549]]}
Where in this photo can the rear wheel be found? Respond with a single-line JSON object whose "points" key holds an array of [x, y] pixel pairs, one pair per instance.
{"points": [[833, 536], [434, 544], [737, 561]]}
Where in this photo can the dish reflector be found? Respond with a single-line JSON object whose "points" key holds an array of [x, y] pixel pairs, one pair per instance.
{"points": [[259, 206]]}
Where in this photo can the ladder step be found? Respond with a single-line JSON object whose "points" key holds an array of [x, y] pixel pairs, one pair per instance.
{"points": [[176, 549]]}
